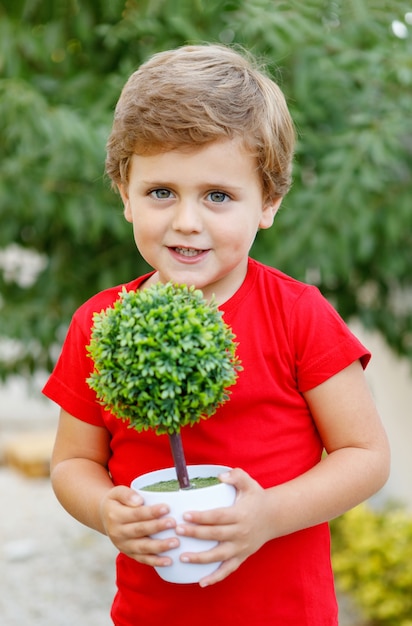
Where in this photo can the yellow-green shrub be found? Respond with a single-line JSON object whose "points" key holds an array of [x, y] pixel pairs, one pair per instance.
{"points": [[372, 560]]}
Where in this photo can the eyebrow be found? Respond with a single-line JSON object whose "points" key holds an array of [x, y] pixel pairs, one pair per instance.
{"points": [[206, 185]]}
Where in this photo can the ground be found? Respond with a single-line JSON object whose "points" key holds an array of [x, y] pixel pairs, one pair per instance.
{"points": [[55, 570]]}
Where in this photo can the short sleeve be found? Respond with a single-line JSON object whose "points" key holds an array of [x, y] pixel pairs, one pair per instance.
{"points": [[323, 343], [67, 384]]}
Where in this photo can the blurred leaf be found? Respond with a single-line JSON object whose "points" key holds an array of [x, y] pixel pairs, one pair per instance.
{"points": [[347, 222]]}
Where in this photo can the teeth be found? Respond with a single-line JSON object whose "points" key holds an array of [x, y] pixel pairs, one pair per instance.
{"points": [[187, 251]]}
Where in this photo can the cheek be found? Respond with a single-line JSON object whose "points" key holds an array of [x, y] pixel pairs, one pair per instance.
{"points": [[141, 221], [146, 230], [242, 227], [237, 239]]}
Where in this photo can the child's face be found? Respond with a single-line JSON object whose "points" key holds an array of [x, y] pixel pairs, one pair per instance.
{"points": [[195, 214]]}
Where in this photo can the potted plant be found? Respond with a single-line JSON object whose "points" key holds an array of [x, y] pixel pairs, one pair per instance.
{"points": [[163, 359]]}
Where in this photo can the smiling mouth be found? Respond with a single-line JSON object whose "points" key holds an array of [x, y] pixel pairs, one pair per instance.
{"points": [[189, 252]]}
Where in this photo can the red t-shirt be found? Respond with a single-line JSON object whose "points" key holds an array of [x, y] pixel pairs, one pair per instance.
{"points": [[290, 340]]}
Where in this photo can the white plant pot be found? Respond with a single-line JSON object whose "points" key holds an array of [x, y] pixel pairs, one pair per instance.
{"points": [[181, 501]]}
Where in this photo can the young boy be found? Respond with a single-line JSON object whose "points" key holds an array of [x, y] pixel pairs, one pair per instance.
{"points": [[201, 151]]}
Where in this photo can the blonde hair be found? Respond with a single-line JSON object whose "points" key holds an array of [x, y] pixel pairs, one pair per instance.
{"points": [[191, 96]]}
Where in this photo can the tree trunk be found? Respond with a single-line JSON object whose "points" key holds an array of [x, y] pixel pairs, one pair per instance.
{"points": [[179, 460]]}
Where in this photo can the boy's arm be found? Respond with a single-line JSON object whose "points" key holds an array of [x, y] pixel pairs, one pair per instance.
{"points": [[358, 456], [356, 466], [83, 486], [78, 469]]}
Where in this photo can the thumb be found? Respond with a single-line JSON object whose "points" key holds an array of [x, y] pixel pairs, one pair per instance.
{"points": [[126, 495], [238, 478]]}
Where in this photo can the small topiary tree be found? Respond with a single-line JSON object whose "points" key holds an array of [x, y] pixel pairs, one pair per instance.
{"points": [[163, 358]]}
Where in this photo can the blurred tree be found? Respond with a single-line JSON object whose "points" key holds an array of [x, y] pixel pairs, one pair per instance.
{"points": [[346, 225]]}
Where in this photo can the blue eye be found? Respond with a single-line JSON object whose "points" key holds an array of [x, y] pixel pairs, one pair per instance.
{"points": [[161, 194], [218, 196]]}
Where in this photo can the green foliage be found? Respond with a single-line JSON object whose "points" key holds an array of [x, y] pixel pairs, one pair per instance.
{"points": [[346, 224], [372, 556], [163, 358]]}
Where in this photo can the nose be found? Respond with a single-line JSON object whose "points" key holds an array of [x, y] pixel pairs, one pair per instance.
{"points": [[187, 218]]}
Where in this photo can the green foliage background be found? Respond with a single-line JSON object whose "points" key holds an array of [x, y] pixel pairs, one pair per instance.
{"points": [[346, 224]]}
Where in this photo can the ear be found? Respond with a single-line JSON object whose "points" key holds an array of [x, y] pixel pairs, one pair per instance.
{"points": [[126, 202], [268, 213]]}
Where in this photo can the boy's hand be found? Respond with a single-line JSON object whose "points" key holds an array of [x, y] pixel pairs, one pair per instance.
{"points": [[128, 523], [240, 529]]}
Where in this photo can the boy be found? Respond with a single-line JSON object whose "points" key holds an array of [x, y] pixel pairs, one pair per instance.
{"points": [[201, 151]]}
